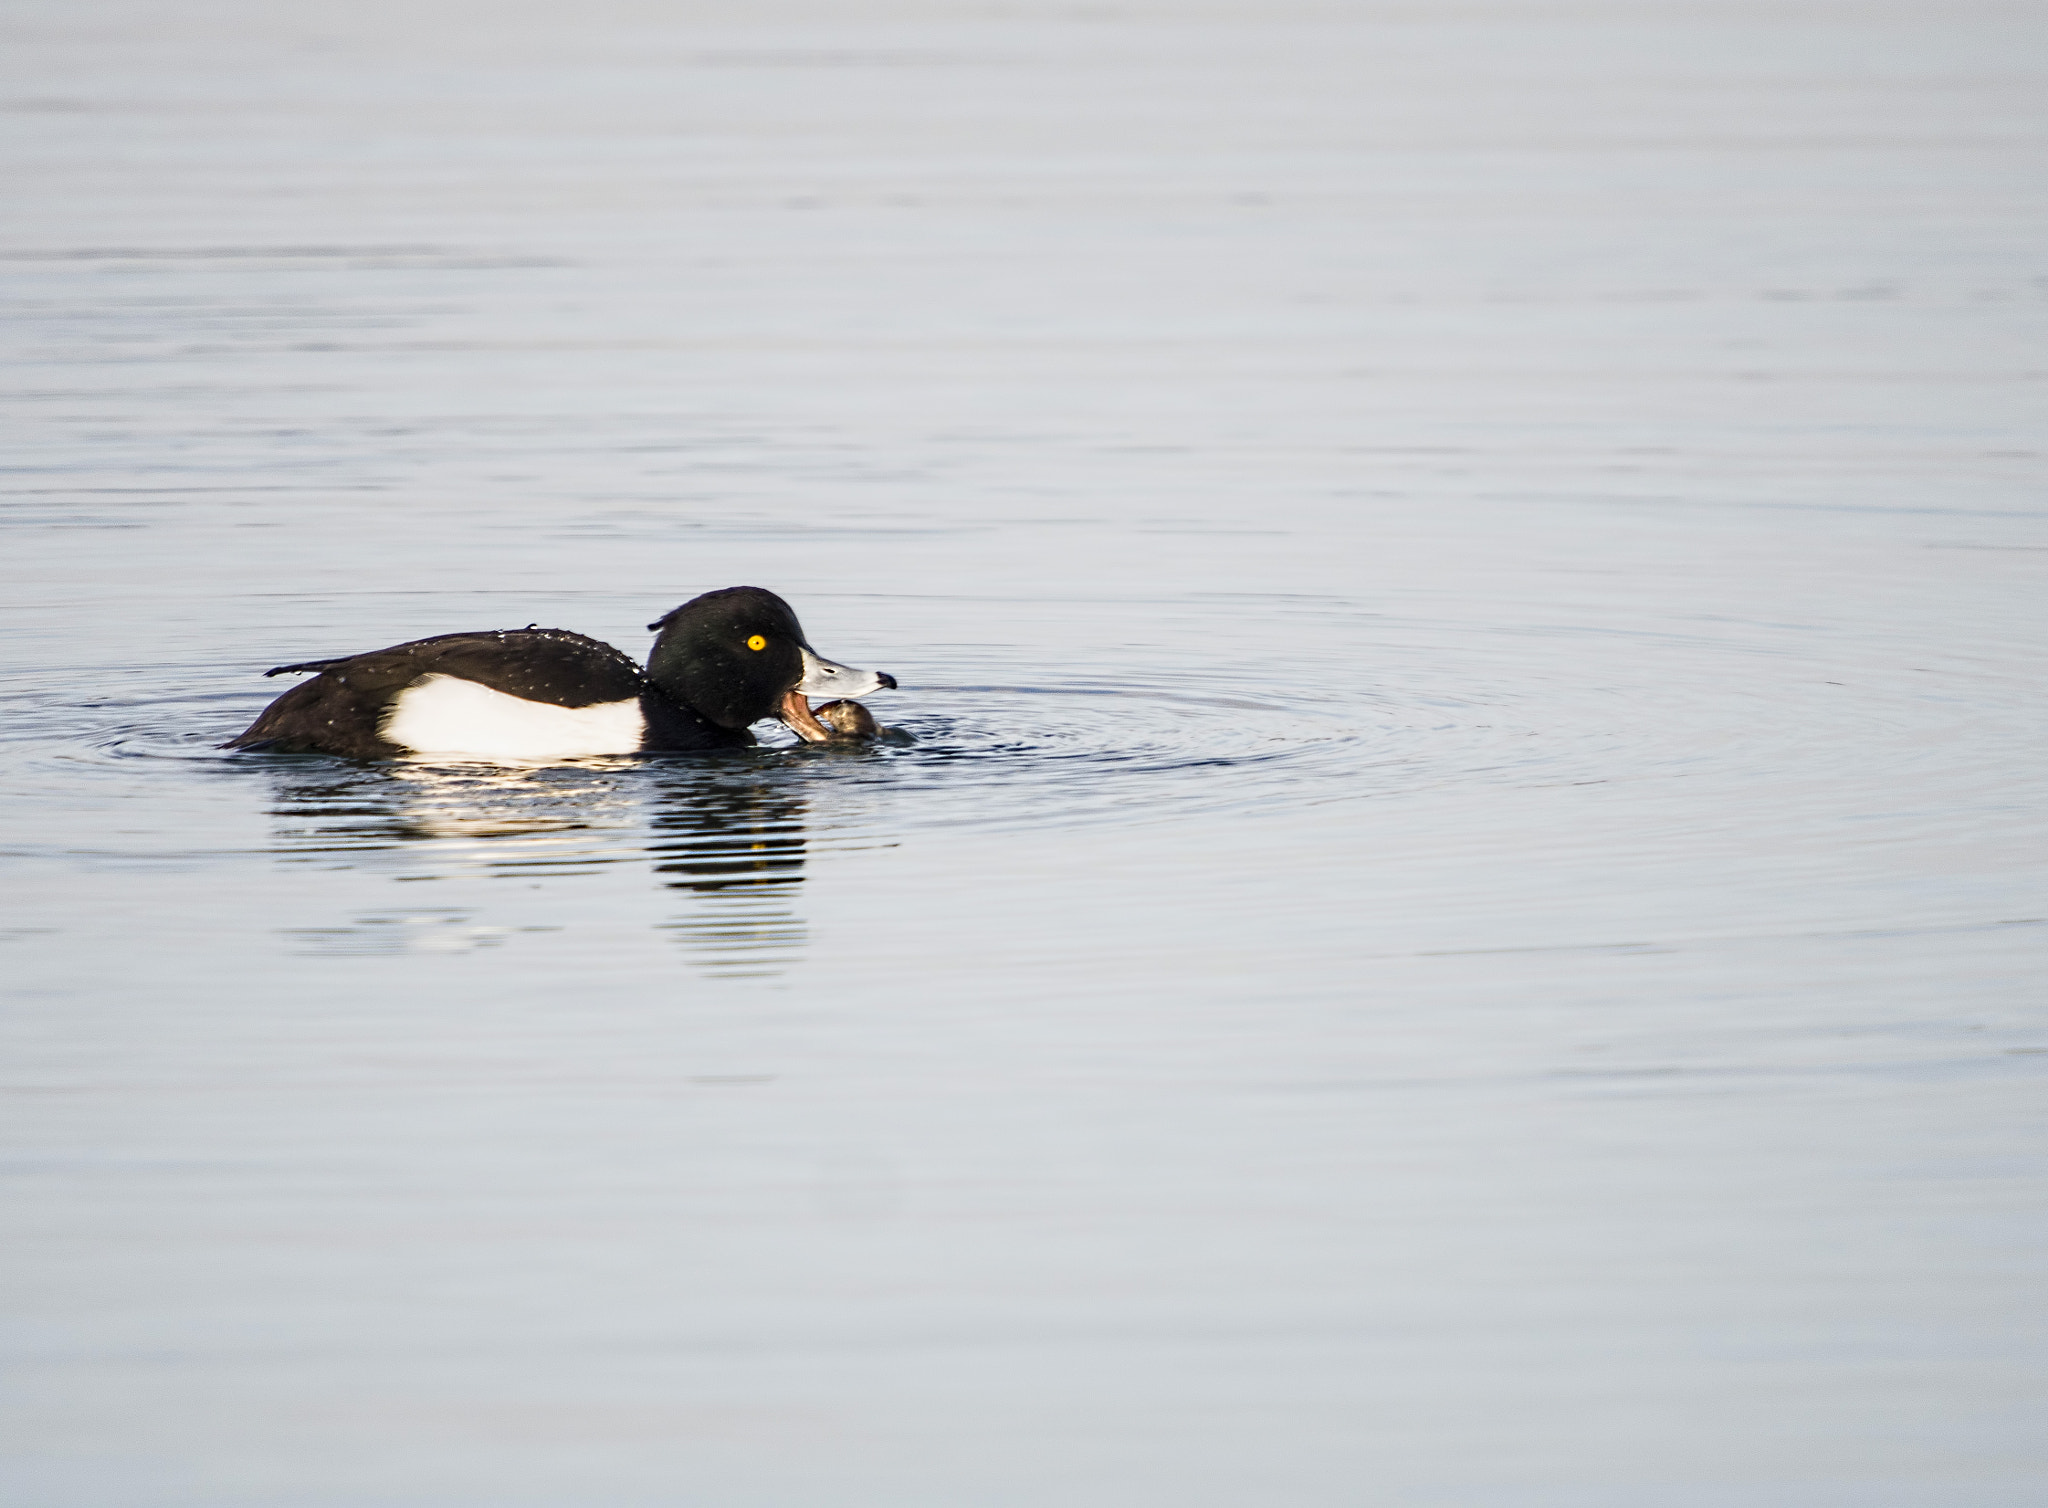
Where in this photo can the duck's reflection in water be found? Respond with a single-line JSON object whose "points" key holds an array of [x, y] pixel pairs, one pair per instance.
{"points": [[737, 846], [725, 836]]}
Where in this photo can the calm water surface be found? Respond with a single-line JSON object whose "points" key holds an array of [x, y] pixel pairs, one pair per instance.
{"points": [[1465, 918]]}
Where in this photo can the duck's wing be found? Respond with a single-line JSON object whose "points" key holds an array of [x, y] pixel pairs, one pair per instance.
{"points": [[342, 709], [549, 665]]}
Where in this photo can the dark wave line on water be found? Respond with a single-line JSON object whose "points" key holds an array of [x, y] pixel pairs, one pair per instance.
{"points": [[432, 255]]}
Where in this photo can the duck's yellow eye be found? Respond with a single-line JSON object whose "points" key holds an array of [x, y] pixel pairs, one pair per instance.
{"points": [[757, 642]]}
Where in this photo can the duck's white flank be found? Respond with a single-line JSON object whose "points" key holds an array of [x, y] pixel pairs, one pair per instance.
{"points": [[442, 714]]}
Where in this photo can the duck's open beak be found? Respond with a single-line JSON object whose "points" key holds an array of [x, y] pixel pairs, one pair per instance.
{"points": [[825, 679]]}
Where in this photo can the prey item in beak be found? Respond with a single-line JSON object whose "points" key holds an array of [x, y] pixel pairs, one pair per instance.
{"points": [[823, 678], [847, 720]]}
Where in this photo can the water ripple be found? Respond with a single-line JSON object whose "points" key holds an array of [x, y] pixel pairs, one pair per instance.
{"points": [[1143, 733]]}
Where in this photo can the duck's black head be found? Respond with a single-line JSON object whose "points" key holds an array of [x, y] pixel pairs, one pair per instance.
{"points": [[738, 655]]}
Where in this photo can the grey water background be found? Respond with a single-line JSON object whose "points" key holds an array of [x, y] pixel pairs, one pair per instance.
{"points": [[1467, 922]]}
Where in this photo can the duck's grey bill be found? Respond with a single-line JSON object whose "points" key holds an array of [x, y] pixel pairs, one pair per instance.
{"points": [[823, 678]]}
